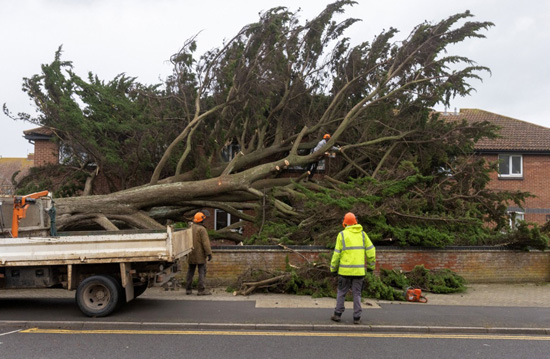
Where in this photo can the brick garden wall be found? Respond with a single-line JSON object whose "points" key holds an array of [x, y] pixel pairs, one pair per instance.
{"points": [[476, 266]]}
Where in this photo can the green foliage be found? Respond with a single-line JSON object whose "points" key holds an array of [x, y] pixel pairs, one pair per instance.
{"points": [[33, 183], [414, 209], [317, 286], [61, 181], [435, 281], [273, 232], [374, 287], [316, 280], [107, 125], [394, 278], [526, 237], [179, 225], [419, 235]]}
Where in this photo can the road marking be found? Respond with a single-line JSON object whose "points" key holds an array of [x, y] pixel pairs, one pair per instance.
{"points": [[15, 331], [288, 334]]}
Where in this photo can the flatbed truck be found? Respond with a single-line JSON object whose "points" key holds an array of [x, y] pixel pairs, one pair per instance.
{"points": [[105, 268]]}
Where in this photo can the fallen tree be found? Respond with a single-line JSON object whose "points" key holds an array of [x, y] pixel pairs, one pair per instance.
{"points": [[226, 129]]}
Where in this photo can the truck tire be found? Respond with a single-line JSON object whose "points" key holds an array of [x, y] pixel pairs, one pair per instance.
{"points": [[98, 295]]}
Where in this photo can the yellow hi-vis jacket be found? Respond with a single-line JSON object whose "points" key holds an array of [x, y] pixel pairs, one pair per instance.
{"points": [[352, 245]]}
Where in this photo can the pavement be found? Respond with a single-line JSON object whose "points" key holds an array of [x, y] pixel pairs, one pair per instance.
{"points": [[483, 308]]}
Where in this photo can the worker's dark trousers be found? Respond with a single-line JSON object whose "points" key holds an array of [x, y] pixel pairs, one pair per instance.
{"points": [[312, 168], [191, 273], [344, 285]]}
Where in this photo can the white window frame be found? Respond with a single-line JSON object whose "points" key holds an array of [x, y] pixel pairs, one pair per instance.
{"points": [[230, 151], [219, 212], [510, 162], [515, 216]]}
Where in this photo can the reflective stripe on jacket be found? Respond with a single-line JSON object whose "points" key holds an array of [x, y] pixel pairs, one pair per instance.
{"points": [[352, 245]]}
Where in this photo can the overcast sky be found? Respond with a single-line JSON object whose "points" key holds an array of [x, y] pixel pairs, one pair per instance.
{"points": [[137, 37]]}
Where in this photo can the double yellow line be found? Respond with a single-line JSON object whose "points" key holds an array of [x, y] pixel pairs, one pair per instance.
{"points": [[288, 334]]}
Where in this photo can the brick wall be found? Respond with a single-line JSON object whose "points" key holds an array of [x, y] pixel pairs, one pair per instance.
{"points": [[536, 180], [476, 266], [485, 266], [45, 152]]}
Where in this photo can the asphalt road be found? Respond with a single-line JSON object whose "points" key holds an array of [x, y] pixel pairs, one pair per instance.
{"points": [[192, 327], [59, 344], [231, 312]]}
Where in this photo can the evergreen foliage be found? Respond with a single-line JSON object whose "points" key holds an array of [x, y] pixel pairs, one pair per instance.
{"points": [[435, 281], [314, 279], [268, 94], [527, 237]]}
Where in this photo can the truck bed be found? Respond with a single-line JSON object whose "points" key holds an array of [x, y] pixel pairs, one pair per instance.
{"points": [[97, 248]]}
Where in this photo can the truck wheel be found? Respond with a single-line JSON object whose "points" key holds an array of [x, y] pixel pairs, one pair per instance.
{"points": [[98, 295]]}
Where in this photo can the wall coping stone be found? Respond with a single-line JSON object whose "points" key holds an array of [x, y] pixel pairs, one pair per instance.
{"points": [[272, 248]]}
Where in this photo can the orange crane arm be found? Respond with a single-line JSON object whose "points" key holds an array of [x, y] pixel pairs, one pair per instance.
{"points": [[20, 205]]}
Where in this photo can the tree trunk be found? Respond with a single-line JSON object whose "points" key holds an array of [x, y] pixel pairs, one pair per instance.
{"points": [[129, 205]]}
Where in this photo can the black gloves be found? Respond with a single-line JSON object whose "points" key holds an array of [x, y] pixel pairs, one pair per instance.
{"points": [[334, 274], [209, 257], [370, 270]]}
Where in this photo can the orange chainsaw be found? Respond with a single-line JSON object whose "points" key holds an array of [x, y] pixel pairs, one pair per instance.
{"points": [[415, 295]]}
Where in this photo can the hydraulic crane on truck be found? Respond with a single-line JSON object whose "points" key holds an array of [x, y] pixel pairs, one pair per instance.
{"points": [[20, 206]]}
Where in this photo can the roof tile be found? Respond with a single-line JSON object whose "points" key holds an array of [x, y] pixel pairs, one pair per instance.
{"points": [[516, 135]]}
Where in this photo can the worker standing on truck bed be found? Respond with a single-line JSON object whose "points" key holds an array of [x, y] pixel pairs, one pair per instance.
{"points": [[201, 252]]}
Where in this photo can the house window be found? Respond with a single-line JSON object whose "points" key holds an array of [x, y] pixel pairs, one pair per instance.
{"points": [[223, 219], [230, 151], [69, 155], [510, 165], [515, 218]]}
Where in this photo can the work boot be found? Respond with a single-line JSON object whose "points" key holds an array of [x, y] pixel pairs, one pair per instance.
{"points": [[336, 317], [357, 320], [204, 292], [188, 291]]}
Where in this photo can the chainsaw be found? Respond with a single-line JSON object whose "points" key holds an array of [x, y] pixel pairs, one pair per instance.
{"points": [[414, 295]]}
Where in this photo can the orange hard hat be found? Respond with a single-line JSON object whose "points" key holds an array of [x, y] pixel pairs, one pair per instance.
{"points": [[349, 219], [326, 136], [199, 217]]}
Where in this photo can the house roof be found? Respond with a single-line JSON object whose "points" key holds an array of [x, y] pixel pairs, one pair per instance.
{"points": [[10, 165], [39, 133], [516, 135]]}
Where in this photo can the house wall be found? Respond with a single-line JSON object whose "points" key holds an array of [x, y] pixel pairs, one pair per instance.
{"points": [[476, 266], [536, 180], [45, 152]]}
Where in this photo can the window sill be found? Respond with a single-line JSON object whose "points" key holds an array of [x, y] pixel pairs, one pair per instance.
{"points": [[511, 178]]}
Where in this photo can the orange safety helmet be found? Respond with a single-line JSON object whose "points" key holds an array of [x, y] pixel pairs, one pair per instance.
{"points": [[349, 219], [326, 136], [199, 217]]}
